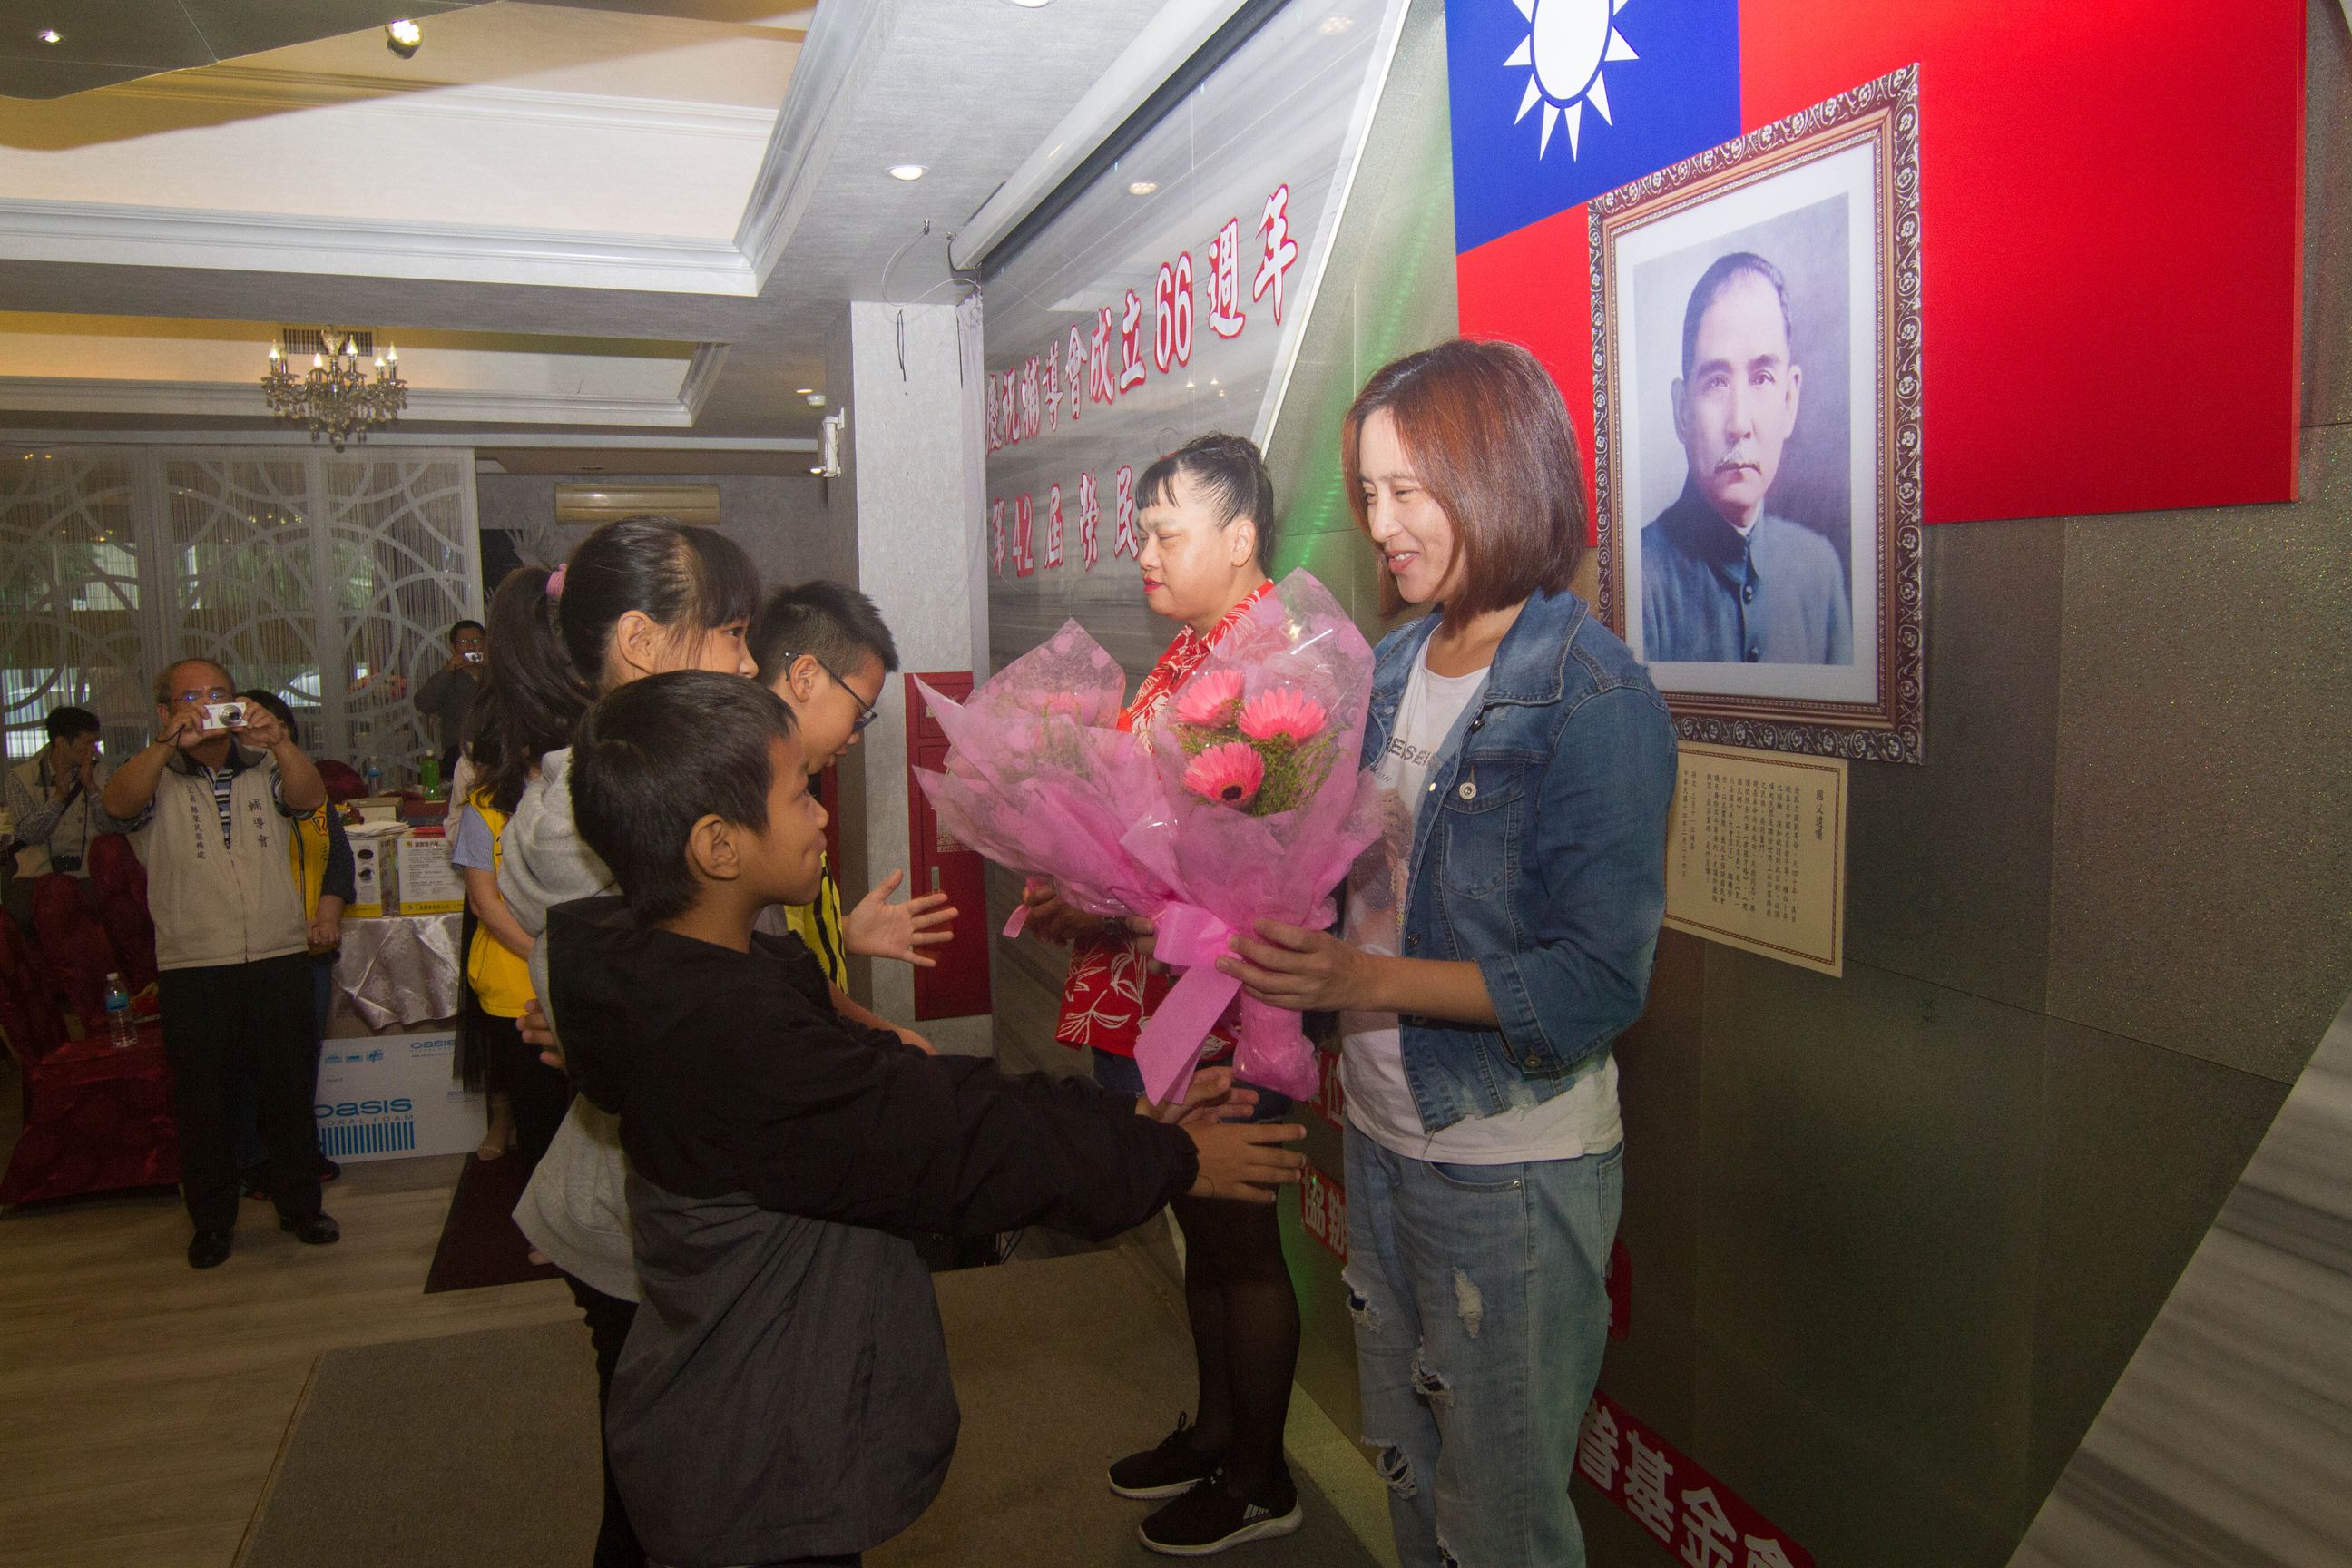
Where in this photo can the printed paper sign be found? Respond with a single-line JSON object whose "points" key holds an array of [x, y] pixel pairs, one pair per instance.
{"points": [[1756, 853]]}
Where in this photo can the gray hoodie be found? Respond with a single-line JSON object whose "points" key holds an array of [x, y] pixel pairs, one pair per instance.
{"points": [[576, 1208]]}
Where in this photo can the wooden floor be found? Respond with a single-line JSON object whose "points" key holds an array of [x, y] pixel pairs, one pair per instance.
{"points": [[142, 1402]]}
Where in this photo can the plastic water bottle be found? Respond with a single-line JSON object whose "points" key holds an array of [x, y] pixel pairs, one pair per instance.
{"points": [[372, 772], [121, 1031]]}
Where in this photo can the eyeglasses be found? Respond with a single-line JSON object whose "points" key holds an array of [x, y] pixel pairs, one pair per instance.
{"points": [[866, 713], [217, 694]]}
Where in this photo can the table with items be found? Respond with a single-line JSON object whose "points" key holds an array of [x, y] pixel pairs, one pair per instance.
{"points": [[387, 1082]]}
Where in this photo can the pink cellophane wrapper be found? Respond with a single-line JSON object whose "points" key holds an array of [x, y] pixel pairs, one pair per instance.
{"points": [[1226, 870], [1041, 780]]}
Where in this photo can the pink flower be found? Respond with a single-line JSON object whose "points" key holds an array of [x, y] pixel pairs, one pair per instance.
{"points": [[1229, 774], [1207, 700], [1286, 714]]}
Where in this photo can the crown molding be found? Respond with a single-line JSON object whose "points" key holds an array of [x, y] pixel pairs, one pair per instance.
{"points": [[702, 375], [101, 233], [838, 56], [278, 91], [15, 440], [63, 395]]}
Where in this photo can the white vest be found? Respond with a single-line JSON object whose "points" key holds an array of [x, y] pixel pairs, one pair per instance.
{"points": [[216, 900]]}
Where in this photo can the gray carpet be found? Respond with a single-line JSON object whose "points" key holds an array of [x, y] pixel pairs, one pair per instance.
{"points": [[480, 1449]]}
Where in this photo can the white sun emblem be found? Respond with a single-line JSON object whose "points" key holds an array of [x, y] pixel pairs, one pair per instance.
{"points": [[1566, 43]]}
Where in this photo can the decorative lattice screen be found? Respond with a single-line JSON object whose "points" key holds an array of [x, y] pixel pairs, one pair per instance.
{"points": [[318, 575]]}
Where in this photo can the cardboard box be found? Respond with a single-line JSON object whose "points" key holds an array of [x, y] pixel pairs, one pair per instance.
{"points": [[389, 1096], [428, 884], [372, 874]]}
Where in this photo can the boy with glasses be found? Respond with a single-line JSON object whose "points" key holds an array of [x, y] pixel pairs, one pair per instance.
{"points": [[824, 648]]}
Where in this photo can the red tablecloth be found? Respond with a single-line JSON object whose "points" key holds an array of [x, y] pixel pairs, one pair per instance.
{"points": [[95, 1118]]}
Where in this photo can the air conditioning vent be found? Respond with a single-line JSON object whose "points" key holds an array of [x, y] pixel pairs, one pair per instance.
{"points": [[592, 504]]}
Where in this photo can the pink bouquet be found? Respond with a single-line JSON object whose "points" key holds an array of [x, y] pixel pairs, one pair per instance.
{"points": [[1246, 803], [1042, 781]]}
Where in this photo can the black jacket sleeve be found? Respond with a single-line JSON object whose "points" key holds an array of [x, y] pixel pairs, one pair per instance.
{"points": [[815, 1117]]}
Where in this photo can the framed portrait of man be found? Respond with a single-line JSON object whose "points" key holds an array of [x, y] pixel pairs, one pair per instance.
{"points": [[1757, 398]]}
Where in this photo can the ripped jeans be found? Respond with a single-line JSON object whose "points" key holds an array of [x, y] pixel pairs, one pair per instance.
{"points": [[1480, 1317]]}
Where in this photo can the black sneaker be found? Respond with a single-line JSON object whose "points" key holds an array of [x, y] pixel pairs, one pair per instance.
{"points": [[1210, 1519], [1171, 1469]]}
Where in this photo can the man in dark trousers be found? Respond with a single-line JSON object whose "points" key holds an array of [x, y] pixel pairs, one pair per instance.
{"points": [[212, 803]]}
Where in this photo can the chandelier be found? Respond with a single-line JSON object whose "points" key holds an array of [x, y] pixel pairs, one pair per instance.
{"points": [[338, 399]]}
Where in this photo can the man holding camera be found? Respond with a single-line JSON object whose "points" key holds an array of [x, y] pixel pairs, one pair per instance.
{"points": [[210, 804], [53, 808], [448, 695]]}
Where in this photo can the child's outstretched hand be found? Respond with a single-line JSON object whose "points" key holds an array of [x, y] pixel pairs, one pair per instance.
{"points": [[1213, 1096], [878, 928], [1245, 1162]]}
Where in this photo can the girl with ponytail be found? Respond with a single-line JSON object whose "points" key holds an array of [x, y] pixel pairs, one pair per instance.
{"points": [[639, 597], [530, 701]]}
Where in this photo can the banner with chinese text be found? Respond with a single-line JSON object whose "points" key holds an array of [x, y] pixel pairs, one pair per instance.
{"points": [[1165, 301]]}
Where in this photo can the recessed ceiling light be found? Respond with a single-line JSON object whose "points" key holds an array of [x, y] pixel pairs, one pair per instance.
{"points": [[1336, 24], [50, 36], [908, 171], [817, 400], [403, 37], [1141, 187], [802, 391], [1031, 5]]}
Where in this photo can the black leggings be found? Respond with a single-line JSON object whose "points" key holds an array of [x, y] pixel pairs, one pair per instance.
{"points": [[608, 1318], [1245, 1318]]}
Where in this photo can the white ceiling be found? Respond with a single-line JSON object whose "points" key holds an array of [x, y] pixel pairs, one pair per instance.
{"points": [[630, 219]]}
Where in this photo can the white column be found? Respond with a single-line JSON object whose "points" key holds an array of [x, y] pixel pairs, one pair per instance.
{"points": [[906, 515]]}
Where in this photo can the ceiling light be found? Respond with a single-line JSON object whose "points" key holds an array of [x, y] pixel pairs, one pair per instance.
{"points": [[403, 37], [50, 36], [1141, 187], [1334, 26], [907, 170], [1031, 5], [802, 391], [817, 400]]}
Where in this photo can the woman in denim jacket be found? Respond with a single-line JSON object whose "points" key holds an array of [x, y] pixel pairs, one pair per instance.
{"points": [[1495, 942]]}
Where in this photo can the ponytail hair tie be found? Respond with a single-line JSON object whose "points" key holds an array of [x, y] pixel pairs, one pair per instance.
{"points": [[555, 581]]}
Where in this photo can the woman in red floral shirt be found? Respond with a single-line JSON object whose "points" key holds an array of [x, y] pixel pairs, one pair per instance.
{"points": [[1207, 513]]}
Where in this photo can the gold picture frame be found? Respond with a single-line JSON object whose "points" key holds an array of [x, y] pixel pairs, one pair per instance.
{"points": [[1838, 187]]}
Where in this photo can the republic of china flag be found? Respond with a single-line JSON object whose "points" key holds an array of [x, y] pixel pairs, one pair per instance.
{"points": [[2111, 202]]}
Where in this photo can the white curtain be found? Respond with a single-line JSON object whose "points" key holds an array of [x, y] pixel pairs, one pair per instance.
{"points": [[329, 578]]}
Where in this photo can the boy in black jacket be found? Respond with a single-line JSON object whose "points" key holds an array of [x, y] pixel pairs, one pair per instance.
{"points": [[783, 1396]]}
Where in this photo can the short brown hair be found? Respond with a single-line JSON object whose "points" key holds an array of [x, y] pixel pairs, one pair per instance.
{"points": [[1490, 440], [163, 681]]}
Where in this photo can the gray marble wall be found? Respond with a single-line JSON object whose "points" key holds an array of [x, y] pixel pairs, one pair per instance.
{"points": [[2224, 1441]]}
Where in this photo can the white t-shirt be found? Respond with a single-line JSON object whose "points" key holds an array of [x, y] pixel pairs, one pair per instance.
{"points": [[1582, 1119]]}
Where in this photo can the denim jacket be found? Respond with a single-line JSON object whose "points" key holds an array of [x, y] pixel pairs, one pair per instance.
{"points": [[1538, 854]]}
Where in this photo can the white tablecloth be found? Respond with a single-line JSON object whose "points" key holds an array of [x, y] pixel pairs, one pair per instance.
{"points": [[397, 971]]}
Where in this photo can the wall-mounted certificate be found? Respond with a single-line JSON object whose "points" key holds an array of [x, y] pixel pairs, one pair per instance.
{"points": [[1756, 853]]}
